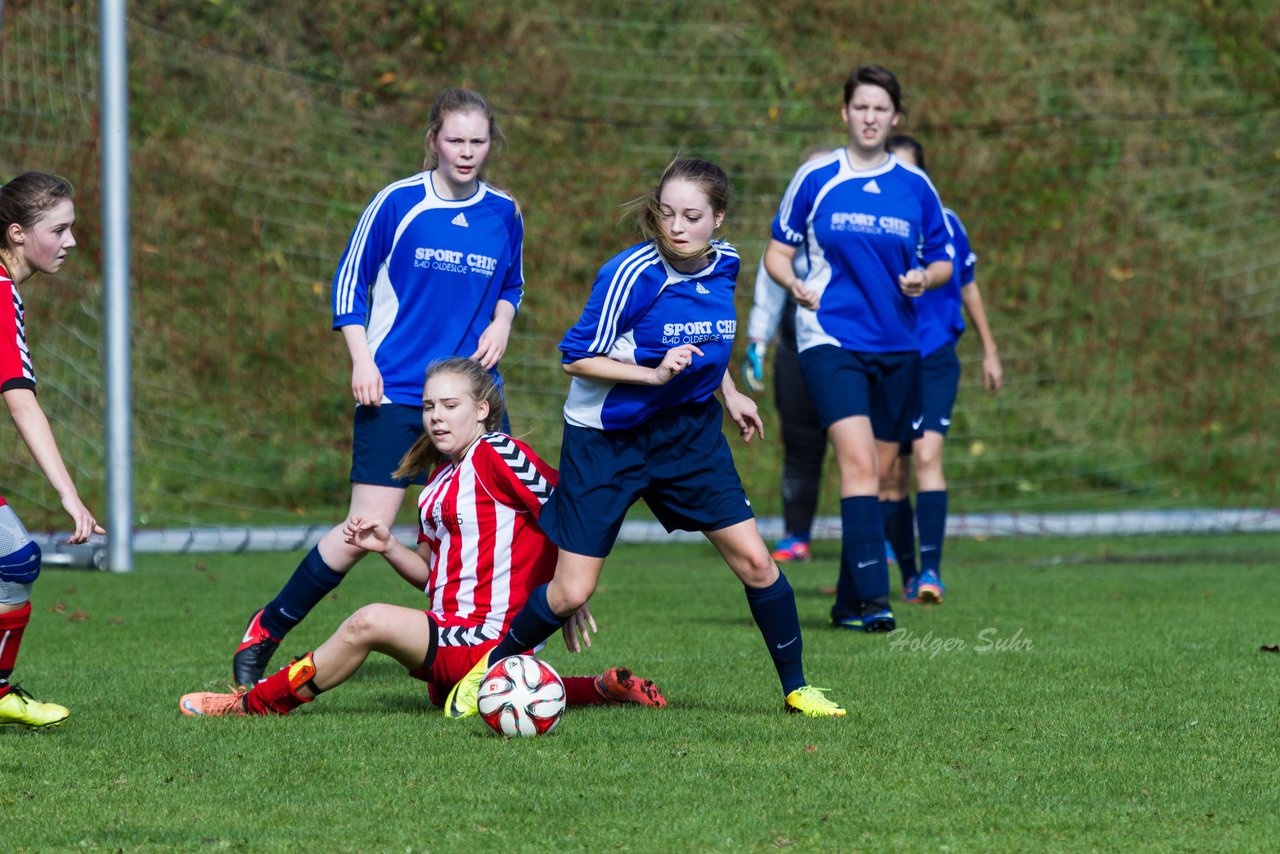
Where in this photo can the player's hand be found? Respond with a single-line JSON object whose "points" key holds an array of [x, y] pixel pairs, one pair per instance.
{"points": [[992, 372], [804, 297], [85, 524], [753, 366], [366, 383], [912, 282], [745, 414], [581, 624], [366, 534], [676, 360], [493, 343]]}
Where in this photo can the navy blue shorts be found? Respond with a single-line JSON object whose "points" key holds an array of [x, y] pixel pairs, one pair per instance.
{"points": [[381, 436], [678, 462], [883, 386], [939, 383]]}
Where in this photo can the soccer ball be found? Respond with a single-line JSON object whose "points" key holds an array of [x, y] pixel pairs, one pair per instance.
{"points": [[521, 696]]}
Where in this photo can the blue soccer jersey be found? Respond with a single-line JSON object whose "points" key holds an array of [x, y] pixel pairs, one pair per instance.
{"points": [[861, 230], [423, 275], [640, 307], [940, 320]]}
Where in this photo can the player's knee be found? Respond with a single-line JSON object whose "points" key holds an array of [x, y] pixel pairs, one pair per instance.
{"points": [[362, 626], [567, 597], [22, 565]]}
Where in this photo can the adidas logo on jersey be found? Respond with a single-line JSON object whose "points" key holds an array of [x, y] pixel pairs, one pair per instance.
{"points": [[461, 219], [700, 289], [871, 187]]}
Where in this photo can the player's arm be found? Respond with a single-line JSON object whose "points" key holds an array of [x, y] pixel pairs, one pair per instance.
{"points": [[493, 341], [34, 428], [742, 409], [366, 379], [992, 370], [777, 263], [612, 370], [366, 249], [376, 537], [920, 279]]}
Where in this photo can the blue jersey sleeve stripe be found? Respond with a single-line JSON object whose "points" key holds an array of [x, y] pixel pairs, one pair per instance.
{"points": [[785, 210], [348, 273], [616, 297]]}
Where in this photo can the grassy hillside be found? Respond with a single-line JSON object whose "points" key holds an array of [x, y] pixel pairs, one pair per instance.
{"points": [[1115, 165]]}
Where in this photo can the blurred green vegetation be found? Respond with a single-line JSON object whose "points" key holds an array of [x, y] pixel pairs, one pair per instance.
{"points": [[1116, 166]]}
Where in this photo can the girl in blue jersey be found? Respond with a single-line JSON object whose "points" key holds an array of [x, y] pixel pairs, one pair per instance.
{"points": [[773, 318], [433, 270], [641, 422], [940, 325], [876, 238]]}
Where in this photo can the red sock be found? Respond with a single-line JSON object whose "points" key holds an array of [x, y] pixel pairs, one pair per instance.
{"points": [[581, 691], [12, 626], [278, 693]]}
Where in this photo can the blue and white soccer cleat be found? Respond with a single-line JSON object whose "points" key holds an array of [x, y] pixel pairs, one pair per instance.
{"points": [[930, 589]]}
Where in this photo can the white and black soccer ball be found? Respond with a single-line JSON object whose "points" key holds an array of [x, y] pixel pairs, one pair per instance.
{"points": [[521, 696]]}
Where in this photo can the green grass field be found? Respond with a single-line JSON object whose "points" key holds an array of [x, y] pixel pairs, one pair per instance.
{"points": [[1070, 695]]}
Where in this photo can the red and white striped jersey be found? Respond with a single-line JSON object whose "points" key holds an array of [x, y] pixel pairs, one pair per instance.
{"points": [[480, 519], [15, 361]]}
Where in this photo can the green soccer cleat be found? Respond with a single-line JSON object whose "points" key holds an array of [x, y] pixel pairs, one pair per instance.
{"points": [[462, 700], [20, 708], [808, 700]]}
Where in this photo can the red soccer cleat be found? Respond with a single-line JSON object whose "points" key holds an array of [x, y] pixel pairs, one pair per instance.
{"points": [[618, 685]]}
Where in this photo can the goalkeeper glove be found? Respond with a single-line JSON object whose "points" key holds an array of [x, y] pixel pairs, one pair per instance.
{"points": [[753, 366]]}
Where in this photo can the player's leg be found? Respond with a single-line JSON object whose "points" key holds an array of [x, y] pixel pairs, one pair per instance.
{"points": [[19, 567], [931, 513], [862, 592], [899, 519], [380, 437], [548, 608], [406, 634], [940, 381], [773, 607], [320, 571], [803, 447]]}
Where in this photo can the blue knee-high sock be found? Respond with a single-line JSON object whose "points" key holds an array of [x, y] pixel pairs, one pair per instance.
{"points": [[900, 530], [535, 623], [774, 610], [864, 573], [311, 581], [931, 512]]}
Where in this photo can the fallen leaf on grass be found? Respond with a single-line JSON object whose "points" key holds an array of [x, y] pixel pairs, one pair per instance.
{"points": [[811, 748], [58, 608], [77, 617]]}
